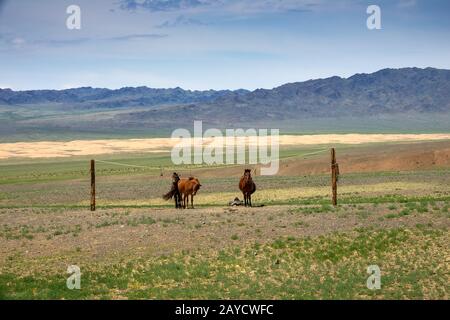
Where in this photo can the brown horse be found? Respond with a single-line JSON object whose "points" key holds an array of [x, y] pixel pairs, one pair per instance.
{"points": [[247, 186], [188, 187]]}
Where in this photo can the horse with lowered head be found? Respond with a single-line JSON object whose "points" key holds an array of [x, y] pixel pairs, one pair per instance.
{"points": [[247, 186], [188, 187]]}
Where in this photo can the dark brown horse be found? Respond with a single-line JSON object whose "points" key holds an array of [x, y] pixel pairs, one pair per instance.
{"points": [[188, 187], [174, 192], [247, 186]]}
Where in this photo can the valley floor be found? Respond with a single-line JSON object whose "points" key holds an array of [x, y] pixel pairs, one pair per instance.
{"points": [[296, 246], [273, 252]]}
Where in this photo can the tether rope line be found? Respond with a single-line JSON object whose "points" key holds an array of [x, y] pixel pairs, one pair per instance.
{"points": [[126, 165], [306, 154], [147, 167], [316, 152]]}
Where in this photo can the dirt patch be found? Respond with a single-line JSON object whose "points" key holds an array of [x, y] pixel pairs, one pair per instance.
{"points": [[409, 156], [398, 157], [116, 232]]}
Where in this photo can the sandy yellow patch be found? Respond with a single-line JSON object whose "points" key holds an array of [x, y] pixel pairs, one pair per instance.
{"points": [[57, 149]]}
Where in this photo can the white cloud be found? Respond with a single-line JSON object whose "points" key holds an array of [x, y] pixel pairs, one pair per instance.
{"points": [[407, 3], [181, 21], [18, 41], [236, 6]]}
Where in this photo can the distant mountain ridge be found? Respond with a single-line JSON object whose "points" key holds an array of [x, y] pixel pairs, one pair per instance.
{"points": [[387, 90], [389, 99], [119, 97]]}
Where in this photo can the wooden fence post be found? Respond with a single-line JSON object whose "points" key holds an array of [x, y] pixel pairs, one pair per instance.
{"points": [[334, 176], [92, 185]]}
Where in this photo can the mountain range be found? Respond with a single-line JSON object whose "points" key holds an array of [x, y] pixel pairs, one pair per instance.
{"points": [[407, 99]]}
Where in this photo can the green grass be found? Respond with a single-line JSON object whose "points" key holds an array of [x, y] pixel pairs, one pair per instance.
{"points": [[316, 205], [327, 267], [313, 209], [20, 171], [141, 220], [46, 170]]}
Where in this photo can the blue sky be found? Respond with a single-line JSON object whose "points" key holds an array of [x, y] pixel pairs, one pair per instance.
{"points": [[213, 44]]}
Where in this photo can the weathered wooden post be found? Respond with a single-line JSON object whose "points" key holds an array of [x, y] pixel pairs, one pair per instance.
{"points": [[92, 185], [334, 176]]}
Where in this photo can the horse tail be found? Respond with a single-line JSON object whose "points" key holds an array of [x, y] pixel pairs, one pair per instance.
{"points": [[169, 195]]}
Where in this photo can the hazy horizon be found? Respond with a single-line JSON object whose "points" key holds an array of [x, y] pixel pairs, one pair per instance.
{"points": [[222, 89]]}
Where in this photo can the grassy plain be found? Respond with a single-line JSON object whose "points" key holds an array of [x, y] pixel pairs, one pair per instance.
{"points": [[297, 246]]}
